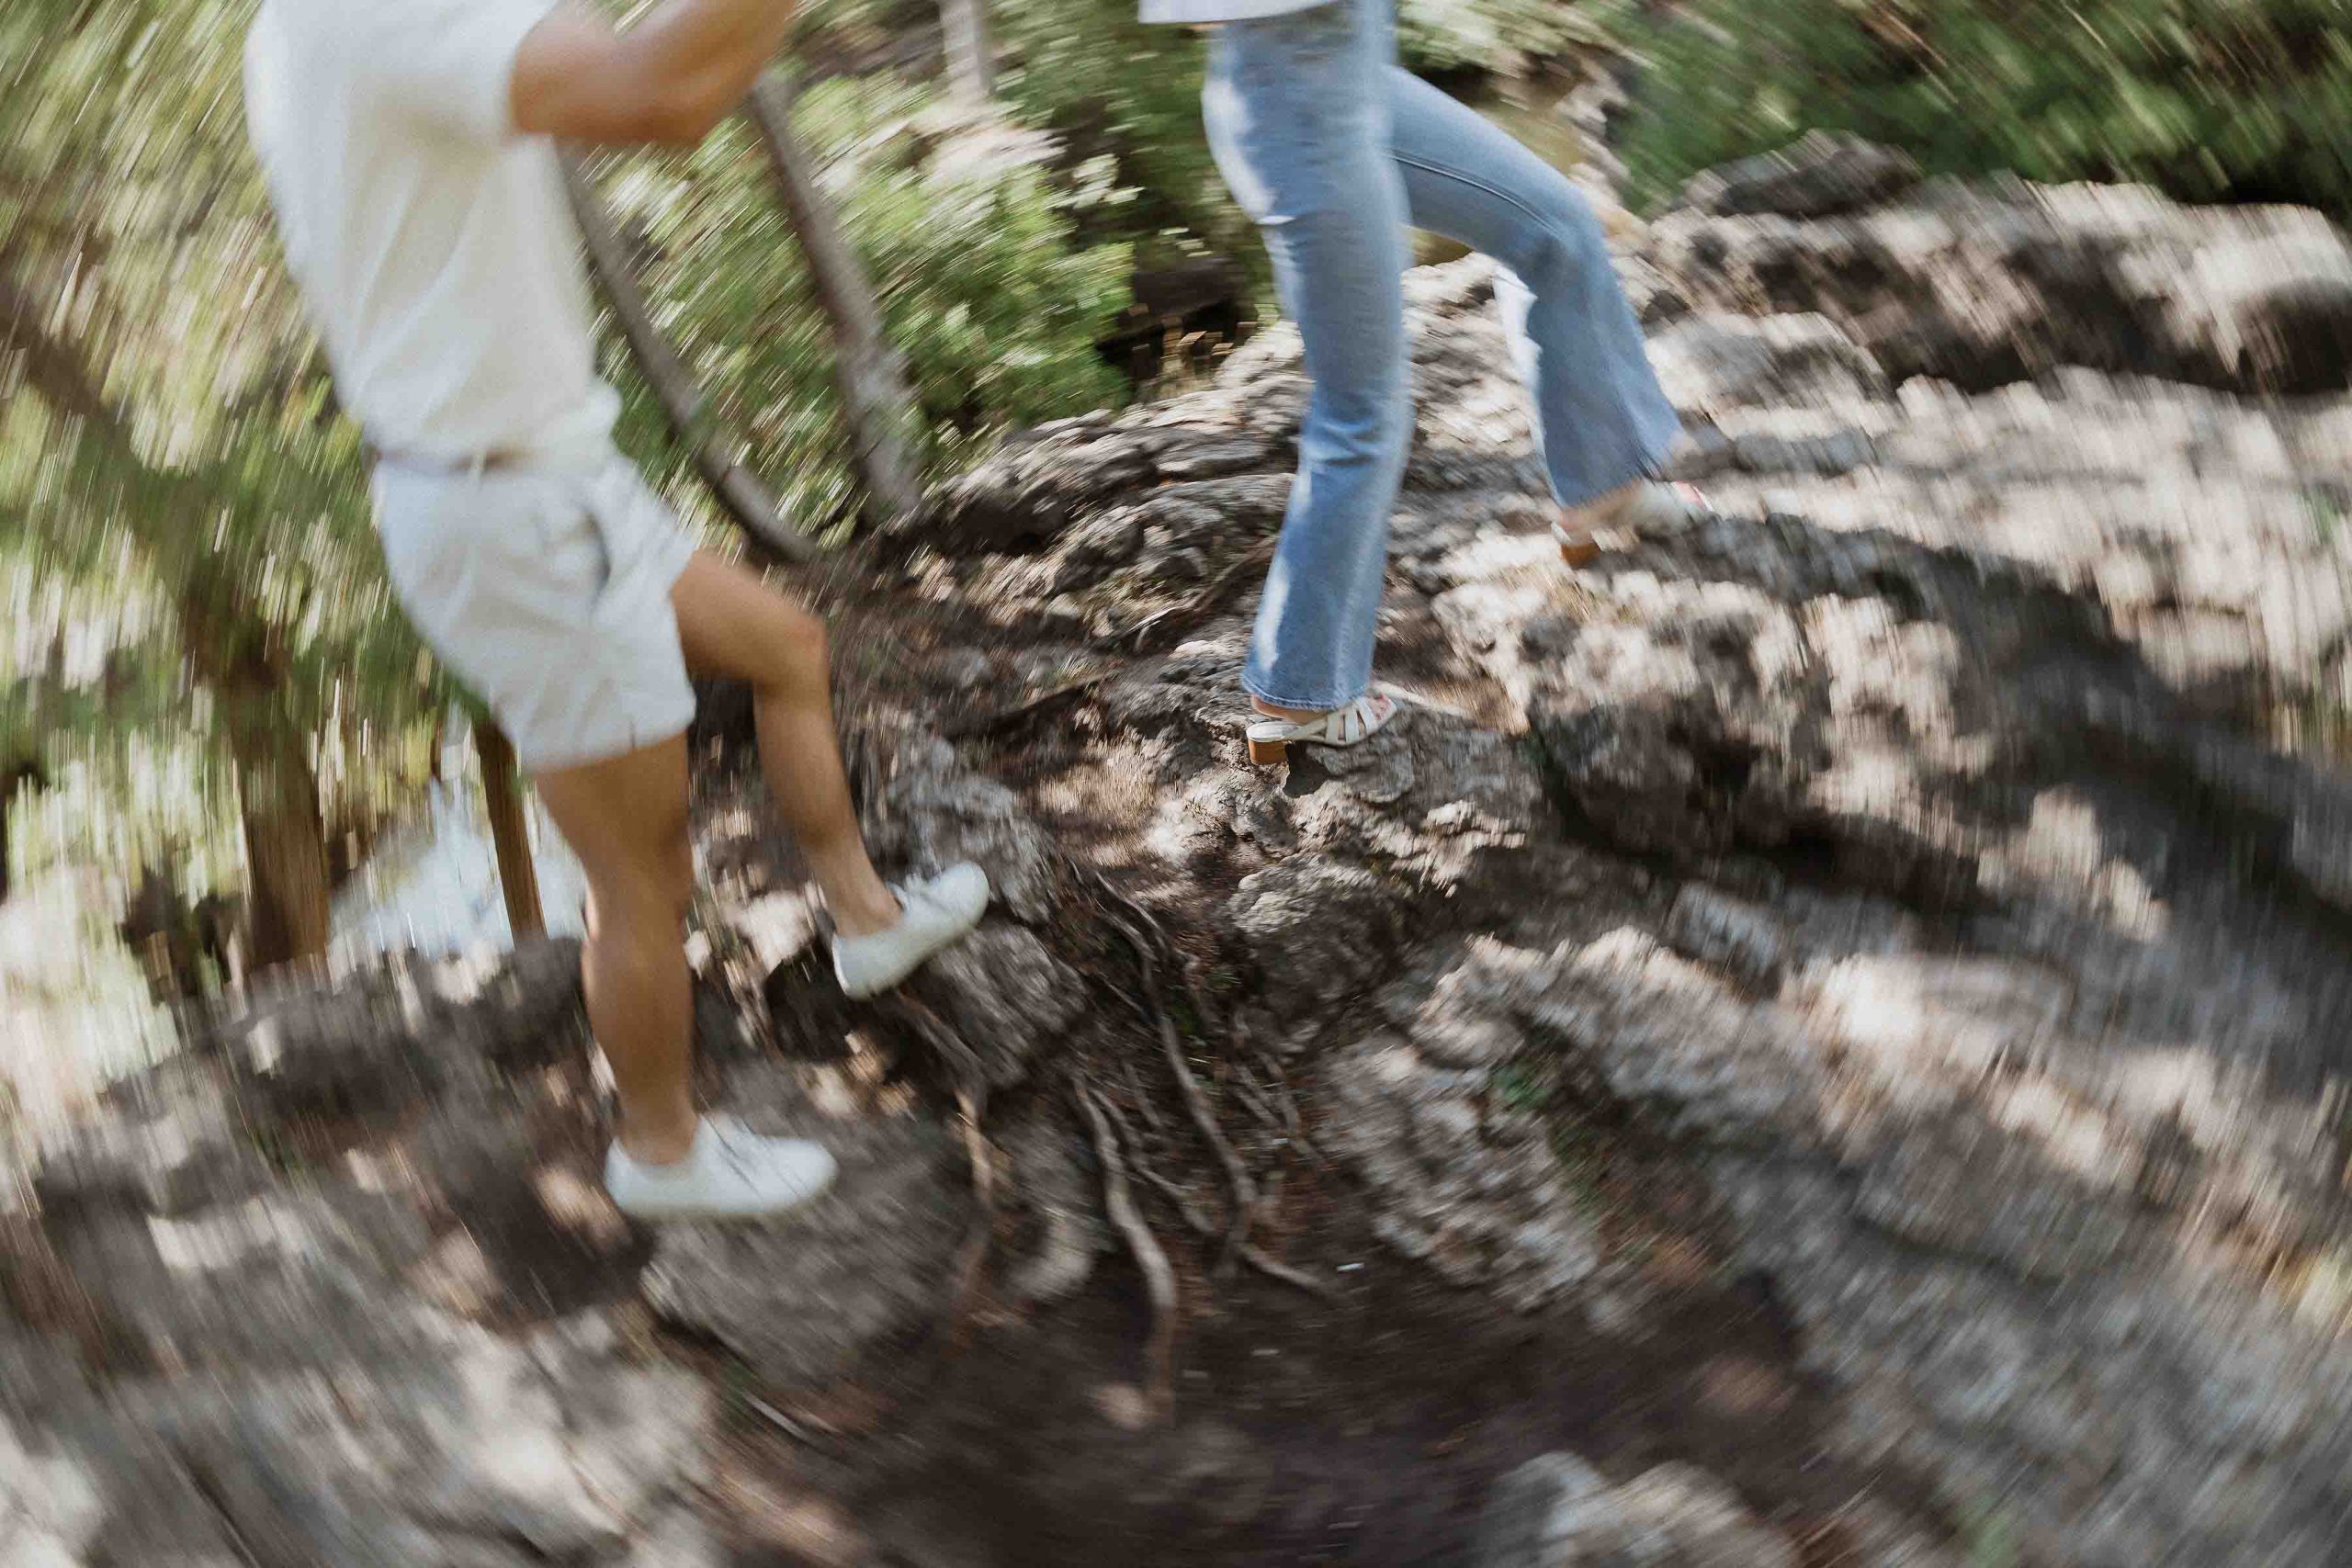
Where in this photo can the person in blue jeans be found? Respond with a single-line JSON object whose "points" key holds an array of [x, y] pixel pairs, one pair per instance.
{"points": [[1336, 152]]}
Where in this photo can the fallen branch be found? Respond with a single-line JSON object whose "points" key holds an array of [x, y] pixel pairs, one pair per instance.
{"points": [[1151, 1259], [973, 727], [1199, 604]]}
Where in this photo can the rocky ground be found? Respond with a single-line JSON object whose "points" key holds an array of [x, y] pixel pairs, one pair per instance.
{"points": [[1817, 1041]]}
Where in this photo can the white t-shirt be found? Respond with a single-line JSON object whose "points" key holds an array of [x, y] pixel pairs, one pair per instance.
{"points": [[1201, 11], [433, 243]]}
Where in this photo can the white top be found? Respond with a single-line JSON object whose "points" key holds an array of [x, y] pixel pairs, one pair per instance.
{"points": [[1221, 10], [433, 244]]}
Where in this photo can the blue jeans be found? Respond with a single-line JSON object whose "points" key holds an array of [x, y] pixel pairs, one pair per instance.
{"points": [[1334, 152]]}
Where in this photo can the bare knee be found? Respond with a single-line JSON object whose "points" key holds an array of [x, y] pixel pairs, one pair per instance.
{"points": [[648, 893], [796, 652], [1570, 242]]}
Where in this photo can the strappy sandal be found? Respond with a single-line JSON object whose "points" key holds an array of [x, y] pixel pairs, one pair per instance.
{"points": [[1271, 739], [1654, 505]]}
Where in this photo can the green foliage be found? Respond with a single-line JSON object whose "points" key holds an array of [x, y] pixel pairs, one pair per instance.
{"points": [[227, 514], [2209, 99], [1108, 87], [1499, 36], [985, 287], [1522, 1087]]}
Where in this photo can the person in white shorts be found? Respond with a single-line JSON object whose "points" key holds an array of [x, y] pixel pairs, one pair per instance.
{"points": [[410, 155]]}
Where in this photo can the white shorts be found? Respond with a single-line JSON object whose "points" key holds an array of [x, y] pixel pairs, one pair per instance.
{"points": [[547, 592]]}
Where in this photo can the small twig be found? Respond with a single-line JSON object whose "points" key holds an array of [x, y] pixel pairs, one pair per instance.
{"points": [[1259, 1259], [975, 726], [1285, 1098], [1151, 1259], [778, 1420], [207, 1486], [1203, 601], [973, 1102], [1257, 1103]]}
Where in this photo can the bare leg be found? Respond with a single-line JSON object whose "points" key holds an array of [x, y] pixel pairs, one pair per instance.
{"points": [[734, 624], [626, 819]]}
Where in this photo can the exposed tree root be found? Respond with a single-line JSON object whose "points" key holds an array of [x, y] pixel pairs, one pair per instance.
{"points": [[1199, 1223], [964, 1065], [971, 1263], [1286, 1098], [1143, 1106], [1258, 1257], [1236, 1174], [1151, 1259]]}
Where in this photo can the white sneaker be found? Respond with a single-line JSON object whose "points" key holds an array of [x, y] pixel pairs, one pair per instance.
{"points": [[731, 1173], [933, 914]]}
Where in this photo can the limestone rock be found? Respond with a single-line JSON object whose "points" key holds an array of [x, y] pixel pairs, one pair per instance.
{"points": [[1469, 1186], [1822, 175], [1558, 1512], [932, 811], [1982, 284], [825, 1292], [1319, 931], [1008, 994]]}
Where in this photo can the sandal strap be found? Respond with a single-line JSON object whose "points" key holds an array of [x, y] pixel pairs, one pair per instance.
{"points": [[1363, 716], [1340, 727]]}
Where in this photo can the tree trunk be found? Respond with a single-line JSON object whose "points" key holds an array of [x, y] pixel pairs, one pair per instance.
{"points": [[286, 841], [510, 831], [877, 407], [229, 644], [739, 489], [971, 71], [16, 782]]}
